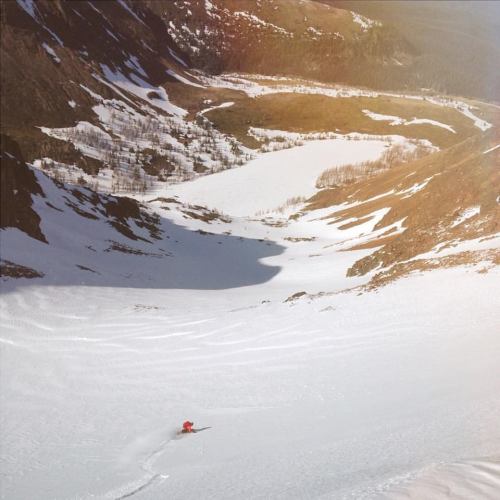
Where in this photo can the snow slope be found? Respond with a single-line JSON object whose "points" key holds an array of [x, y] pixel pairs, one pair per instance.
{"points": [[337, 394], [331, 398], [478, 478]]}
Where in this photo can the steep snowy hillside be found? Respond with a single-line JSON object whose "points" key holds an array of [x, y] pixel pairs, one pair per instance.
{"points": [[338, 396], [110, 340]]}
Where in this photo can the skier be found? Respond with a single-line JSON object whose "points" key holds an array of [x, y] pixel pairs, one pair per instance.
{"points": [[187, 427]]}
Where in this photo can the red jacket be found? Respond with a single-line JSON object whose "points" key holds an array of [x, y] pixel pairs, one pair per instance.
{"points": [[187, 426]]}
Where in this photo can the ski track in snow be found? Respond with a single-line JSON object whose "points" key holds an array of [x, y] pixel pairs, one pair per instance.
{"points": [[147, 467]]}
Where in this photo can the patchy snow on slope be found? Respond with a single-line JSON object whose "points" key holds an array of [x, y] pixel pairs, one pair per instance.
{"points": [[182, 79], [155, 96], [51, 52], [453, 247], [466, 214], [249, 85], [396, 120], [219, 106], [426, 121], [135, 136], [418, 186], [133, 63], [177, 58], [54, 36], [491, 149], [257, 21], [363, 21], [254, 89], [29, 6], [123, 3], [101, 140]]}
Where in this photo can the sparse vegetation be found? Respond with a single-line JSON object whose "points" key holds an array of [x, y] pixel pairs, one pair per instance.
{"points": [[290, 203], [347, 174], [306, 113]]}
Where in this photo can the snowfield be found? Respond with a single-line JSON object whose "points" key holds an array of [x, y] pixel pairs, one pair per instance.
{"points": [[269, 181], [339, 397], [334, 393]]}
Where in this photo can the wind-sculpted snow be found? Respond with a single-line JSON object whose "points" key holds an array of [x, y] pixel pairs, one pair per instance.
{"points": [[337, 397], [477, 478]]}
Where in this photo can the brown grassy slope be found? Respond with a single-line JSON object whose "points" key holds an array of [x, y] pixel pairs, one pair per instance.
{"points": [[36, 88], [193, 99], [317, 113], [279, 42], [296, 17], [458, 178]]}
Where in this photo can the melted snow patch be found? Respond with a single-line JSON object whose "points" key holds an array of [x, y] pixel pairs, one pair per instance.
{"points": [[312, 30], [416, 121], [182, 79], [466, 214], [223, 105], [478, 122], [156, 96], [415, 188], [177, 58], [130, 11], [51, 52], [134, 64], [463, 108], [491, 149], [28, 6], [396, 120]]}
